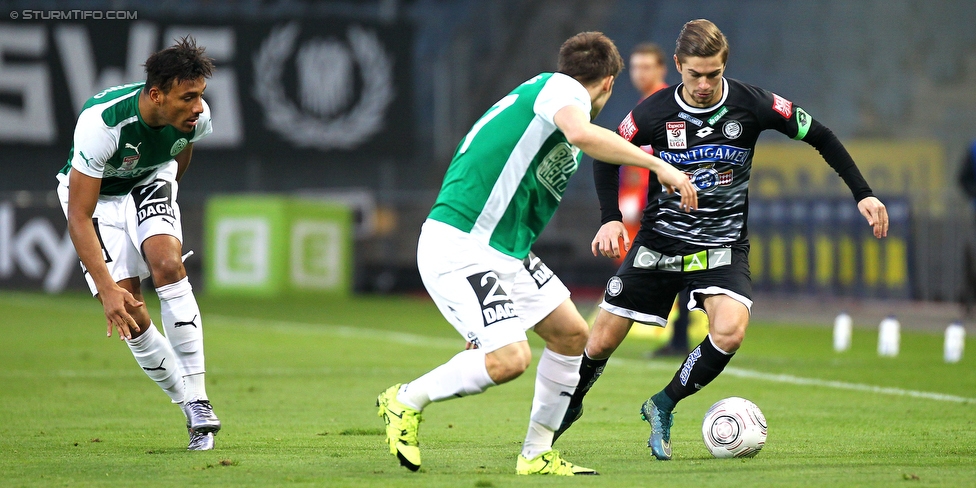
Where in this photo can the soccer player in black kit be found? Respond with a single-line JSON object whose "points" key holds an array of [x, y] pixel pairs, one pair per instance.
{"points": [[707, 126]]}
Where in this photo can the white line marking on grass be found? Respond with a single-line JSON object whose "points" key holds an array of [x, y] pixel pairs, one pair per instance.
{"points": [[342, 331], [440, 342], [842, 385], [797, 380], [415, 339]]}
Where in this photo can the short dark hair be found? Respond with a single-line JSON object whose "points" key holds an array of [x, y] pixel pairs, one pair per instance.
{"points": [[183, 61], [651, 49], [589, 57], [702, 39]]}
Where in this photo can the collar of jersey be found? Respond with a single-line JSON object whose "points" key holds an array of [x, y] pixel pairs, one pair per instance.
{"points": [[695, 110], [139, 114]]}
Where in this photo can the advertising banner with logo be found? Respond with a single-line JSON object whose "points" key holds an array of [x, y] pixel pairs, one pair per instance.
{"points": [[268, 245], [296, 103], [35, 250]]}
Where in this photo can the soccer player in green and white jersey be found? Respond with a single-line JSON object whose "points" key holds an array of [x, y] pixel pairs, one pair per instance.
{"points": [[132, 143], [502, 187]]}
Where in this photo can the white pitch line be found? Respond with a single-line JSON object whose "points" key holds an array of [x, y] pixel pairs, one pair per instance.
{"points": [[416, 339], [342, 331], [797, 380], [842, 385], [421, 340]]}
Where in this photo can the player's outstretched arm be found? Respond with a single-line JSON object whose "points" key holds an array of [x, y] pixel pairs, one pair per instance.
{"points": [[82, 197], [877, 215], [607, 146], [836, 155]]}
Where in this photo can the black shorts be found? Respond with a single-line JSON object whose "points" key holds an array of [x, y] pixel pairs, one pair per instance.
{"points": [[645, 292]]}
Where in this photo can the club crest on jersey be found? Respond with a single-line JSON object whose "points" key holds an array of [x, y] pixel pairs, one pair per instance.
{"points": [[706, 177], [178, 146], [130, 161], [732, 129], [627, 128], [615, 286], [782, 106], [677, 136]]}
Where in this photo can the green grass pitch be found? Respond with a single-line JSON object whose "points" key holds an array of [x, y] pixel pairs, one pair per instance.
{"points": [[294, 382]]}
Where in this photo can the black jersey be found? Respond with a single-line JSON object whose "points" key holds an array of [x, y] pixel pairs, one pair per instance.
{"points": [[714, 146]]}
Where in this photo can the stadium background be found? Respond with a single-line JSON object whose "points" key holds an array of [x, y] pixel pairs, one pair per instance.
{"points": [[364, 102]]}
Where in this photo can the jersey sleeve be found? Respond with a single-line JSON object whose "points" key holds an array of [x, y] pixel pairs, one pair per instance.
{"points": [[778, 113], [636, 126], [94, 143], [560, 91], [606, 176], [204, 125]]}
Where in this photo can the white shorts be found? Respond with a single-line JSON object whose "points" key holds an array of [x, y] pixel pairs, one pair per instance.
{"points": [[489, 297], [123, 222]]}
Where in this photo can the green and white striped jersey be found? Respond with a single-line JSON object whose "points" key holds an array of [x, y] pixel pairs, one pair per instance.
{"points": [[510, 171], [112, 142]]}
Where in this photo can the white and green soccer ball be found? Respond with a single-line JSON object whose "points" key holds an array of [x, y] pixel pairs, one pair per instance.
{"points": [[734, 427]]}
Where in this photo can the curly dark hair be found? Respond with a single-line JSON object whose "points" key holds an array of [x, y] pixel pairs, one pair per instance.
{"points": [[183, 61]]}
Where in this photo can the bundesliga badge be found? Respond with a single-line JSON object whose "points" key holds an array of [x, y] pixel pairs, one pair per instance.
{"points": [[677, 137]]}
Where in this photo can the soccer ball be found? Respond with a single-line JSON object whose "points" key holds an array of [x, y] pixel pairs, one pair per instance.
{"points": [[734, 427]]}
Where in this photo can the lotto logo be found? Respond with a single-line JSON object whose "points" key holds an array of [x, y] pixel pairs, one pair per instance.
{"points": [[704, 132], [782, 106], [627, 128]]}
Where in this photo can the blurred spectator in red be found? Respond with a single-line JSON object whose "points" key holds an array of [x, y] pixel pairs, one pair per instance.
{"points": [[647, 72]]}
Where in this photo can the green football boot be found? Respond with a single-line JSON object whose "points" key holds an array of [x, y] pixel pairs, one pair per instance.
{"points": [[551, 463], [402, 424], [660, 420]]}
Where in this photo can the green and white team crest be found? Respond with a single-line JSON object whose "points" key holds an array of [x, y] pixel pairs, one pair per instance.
{"points": [[510, 171]]}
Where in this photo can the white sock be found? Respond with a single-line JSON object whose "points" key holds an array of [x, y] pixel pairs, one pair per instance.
{"points": [[465, 374], [196, 388], [555, 380], [154, 353], [184, 329]]}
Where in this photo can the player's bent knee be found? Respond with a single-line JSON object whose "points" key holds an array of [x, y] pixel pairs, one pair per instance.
{"points": [[729, 340], [574, 339], [599, 349], [167, 270], [603, 342], [509, 362]]}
